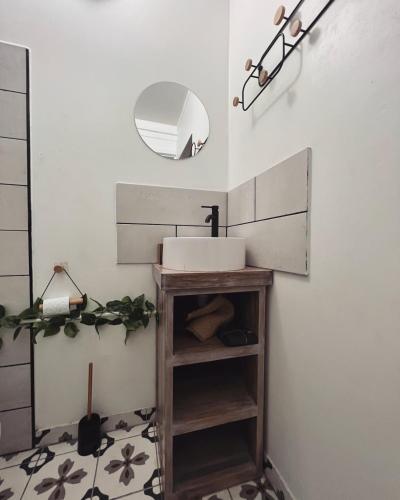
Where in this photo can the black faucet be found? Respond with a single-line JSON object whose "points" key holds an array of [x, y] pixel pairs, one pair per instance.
{"points": [[214, 218]]}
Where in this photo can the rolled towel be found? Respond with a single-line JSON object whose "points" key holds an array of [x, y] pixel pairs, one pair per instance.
{"points": [[205, 321]]}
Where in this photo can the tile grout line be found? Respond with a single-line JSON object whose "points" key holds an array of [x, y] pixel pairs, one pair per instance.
{"points": [[95, 475], [30, 475]]}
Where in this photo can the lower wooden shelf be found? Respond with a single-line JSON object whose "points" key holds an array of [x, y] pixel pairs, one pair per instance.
{"points": [[212, 455], [208, 398]]}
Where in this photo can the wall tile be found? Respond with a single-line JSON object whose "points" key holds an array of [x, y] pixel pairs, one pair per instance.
{"points": [[279, 244], [14, 295], [12, 115], [137, 244], [161, 205], [198, 231], [283, 189], [15, 387], [13, 68], [16, 430], [13, 161], [14, 253], [13, 207], [241, 203]]}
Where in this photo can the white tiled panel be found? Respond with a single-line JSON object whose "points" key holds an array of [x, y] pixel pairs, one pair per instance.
{"points": [[279, 244], [16, 433], [283, 189], [13, 207], [163, 205], [13, 161], [15, 387], [137, 244], [14, 253], [241, 203], [13, 68], [198, 231], [12, 115]]}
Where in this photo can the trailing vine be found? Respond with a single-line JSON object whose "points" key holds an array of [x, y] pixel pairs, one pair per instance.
{"points": [[132, 314]]}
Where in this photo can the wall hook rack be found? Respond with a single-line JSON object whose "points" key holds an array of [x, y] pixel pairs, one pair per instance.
{"points": [[296, 30]]}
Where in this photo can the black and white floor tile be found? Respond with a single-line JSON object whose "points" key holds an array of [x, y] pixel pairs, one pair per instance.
{"points": [[125, 467]]}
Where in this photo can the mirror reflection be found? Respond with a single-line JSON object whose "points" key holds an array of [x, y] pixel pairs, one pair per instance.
{"points": [[171, 120]]}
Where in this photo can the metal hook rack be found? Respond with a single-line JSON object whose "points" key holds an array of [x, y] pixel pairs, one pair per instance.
{"points": [[258, 70]]}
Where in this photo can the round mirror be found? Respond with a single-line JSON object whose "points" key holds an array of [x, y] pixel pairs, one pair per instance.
{"points": [[172, 120]]}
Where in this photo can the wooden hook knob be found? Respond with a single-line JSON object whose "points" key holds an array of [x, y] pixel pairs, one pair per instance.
{"points": [[236, 102], [58, 269], [279, 14], [248, 64], [199, 143], [263, 77], [295, 27]]}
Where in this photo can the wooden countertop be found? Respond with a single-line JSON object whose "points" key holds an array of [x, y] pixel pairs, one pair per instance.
{"points": [[169, 279]]}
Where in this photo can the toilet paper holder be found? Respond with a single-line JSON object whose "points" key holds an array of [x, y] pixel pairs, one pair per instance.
{"points": [[73, 301]]}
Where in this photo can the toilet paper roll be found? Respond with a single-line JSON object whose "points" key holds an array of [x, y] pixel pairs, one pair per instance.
{"points": [[53, 307]]}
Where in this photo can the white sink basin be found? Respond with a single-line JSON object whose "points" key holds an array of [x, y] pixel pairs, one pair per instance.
{"points": [[204, 254]]}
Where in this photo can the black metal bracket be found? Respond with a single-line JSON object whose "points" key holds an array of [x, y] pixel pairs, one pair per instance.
{"points": [[287, 49]]}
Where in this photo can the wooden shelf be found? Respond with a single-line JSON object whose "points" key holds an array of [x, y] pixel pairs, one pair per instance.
{"points": [[210, 400], [189, 350], [215, 454]]}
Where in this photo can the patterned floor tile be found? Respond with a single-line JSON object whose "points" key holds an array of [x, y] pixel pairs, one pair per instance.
{"points": [[128, 466], [127, 431], [247, 491], [67, 477], [13, 482], [17, 458], [221, 495]]}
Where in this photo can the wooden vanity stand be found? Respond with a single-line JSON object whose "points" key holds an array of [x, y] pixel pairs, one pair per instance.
{"points": [[210, 398]]}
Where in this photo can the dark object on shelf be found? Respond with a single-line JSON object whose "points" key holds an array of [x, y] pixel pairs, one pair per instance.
{"points": [[89, 435], [237, 337], [213, 218], [259, 72]]}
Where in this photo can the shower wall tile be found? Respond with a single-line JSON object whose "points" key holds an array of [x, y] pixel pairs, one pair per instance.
{"points": [[14, 296], [16, 430], [278, 244], [241, 203], [13, 68], [13, 161], [162, 205], [12, 115], [13, 207], [283, 189], [14, 253], [137, 243], [15, 387]]}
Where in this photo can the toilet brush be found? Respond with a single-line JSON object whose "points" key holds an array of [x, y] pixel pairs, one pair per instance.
{"points": [[89, 435]]}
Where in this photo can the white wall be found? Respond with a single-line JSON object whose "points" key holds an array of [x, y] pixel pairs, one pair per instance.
{"points": [[90, 60], [333, 374]]}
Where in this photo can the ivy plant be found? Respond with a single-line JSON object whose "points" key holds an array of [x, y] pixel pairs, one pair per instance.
{"points": [[132, 314]]}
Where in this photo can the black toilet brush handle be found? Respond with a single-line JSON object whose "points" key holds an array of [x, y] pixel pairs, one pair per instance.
{"points": [[90, 390]]}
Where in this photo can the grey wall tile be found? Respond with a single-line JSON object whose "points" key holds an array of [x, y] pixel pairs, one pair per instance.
{"points": [[12, 115], [137, 244], [13, 207], [16, 431], [241, 203], [13, 161], [15, 387], [13, 67], [198, 231], [14, 253], [279, 244], [283, 189], [14, 295], [162, 205]]}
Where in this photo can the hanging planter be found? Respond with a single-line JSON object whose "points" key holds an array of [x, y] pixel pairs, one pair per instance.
{"points": [[132, 314]]}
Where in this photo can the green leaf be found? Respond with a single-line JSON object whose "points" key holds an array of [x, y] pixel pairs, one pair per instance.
{"points": [[75, 313], [37, 328], [2, 311], [116, 321], [100, 307], [150, 306], [126, 300], [57, 321], [100, 322], [83, 306], [36, 304], [70, 329], [88, 319], [139, 301], [51, 330], [17, 332], [10, 321], [127, 333], [145, 320]]}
